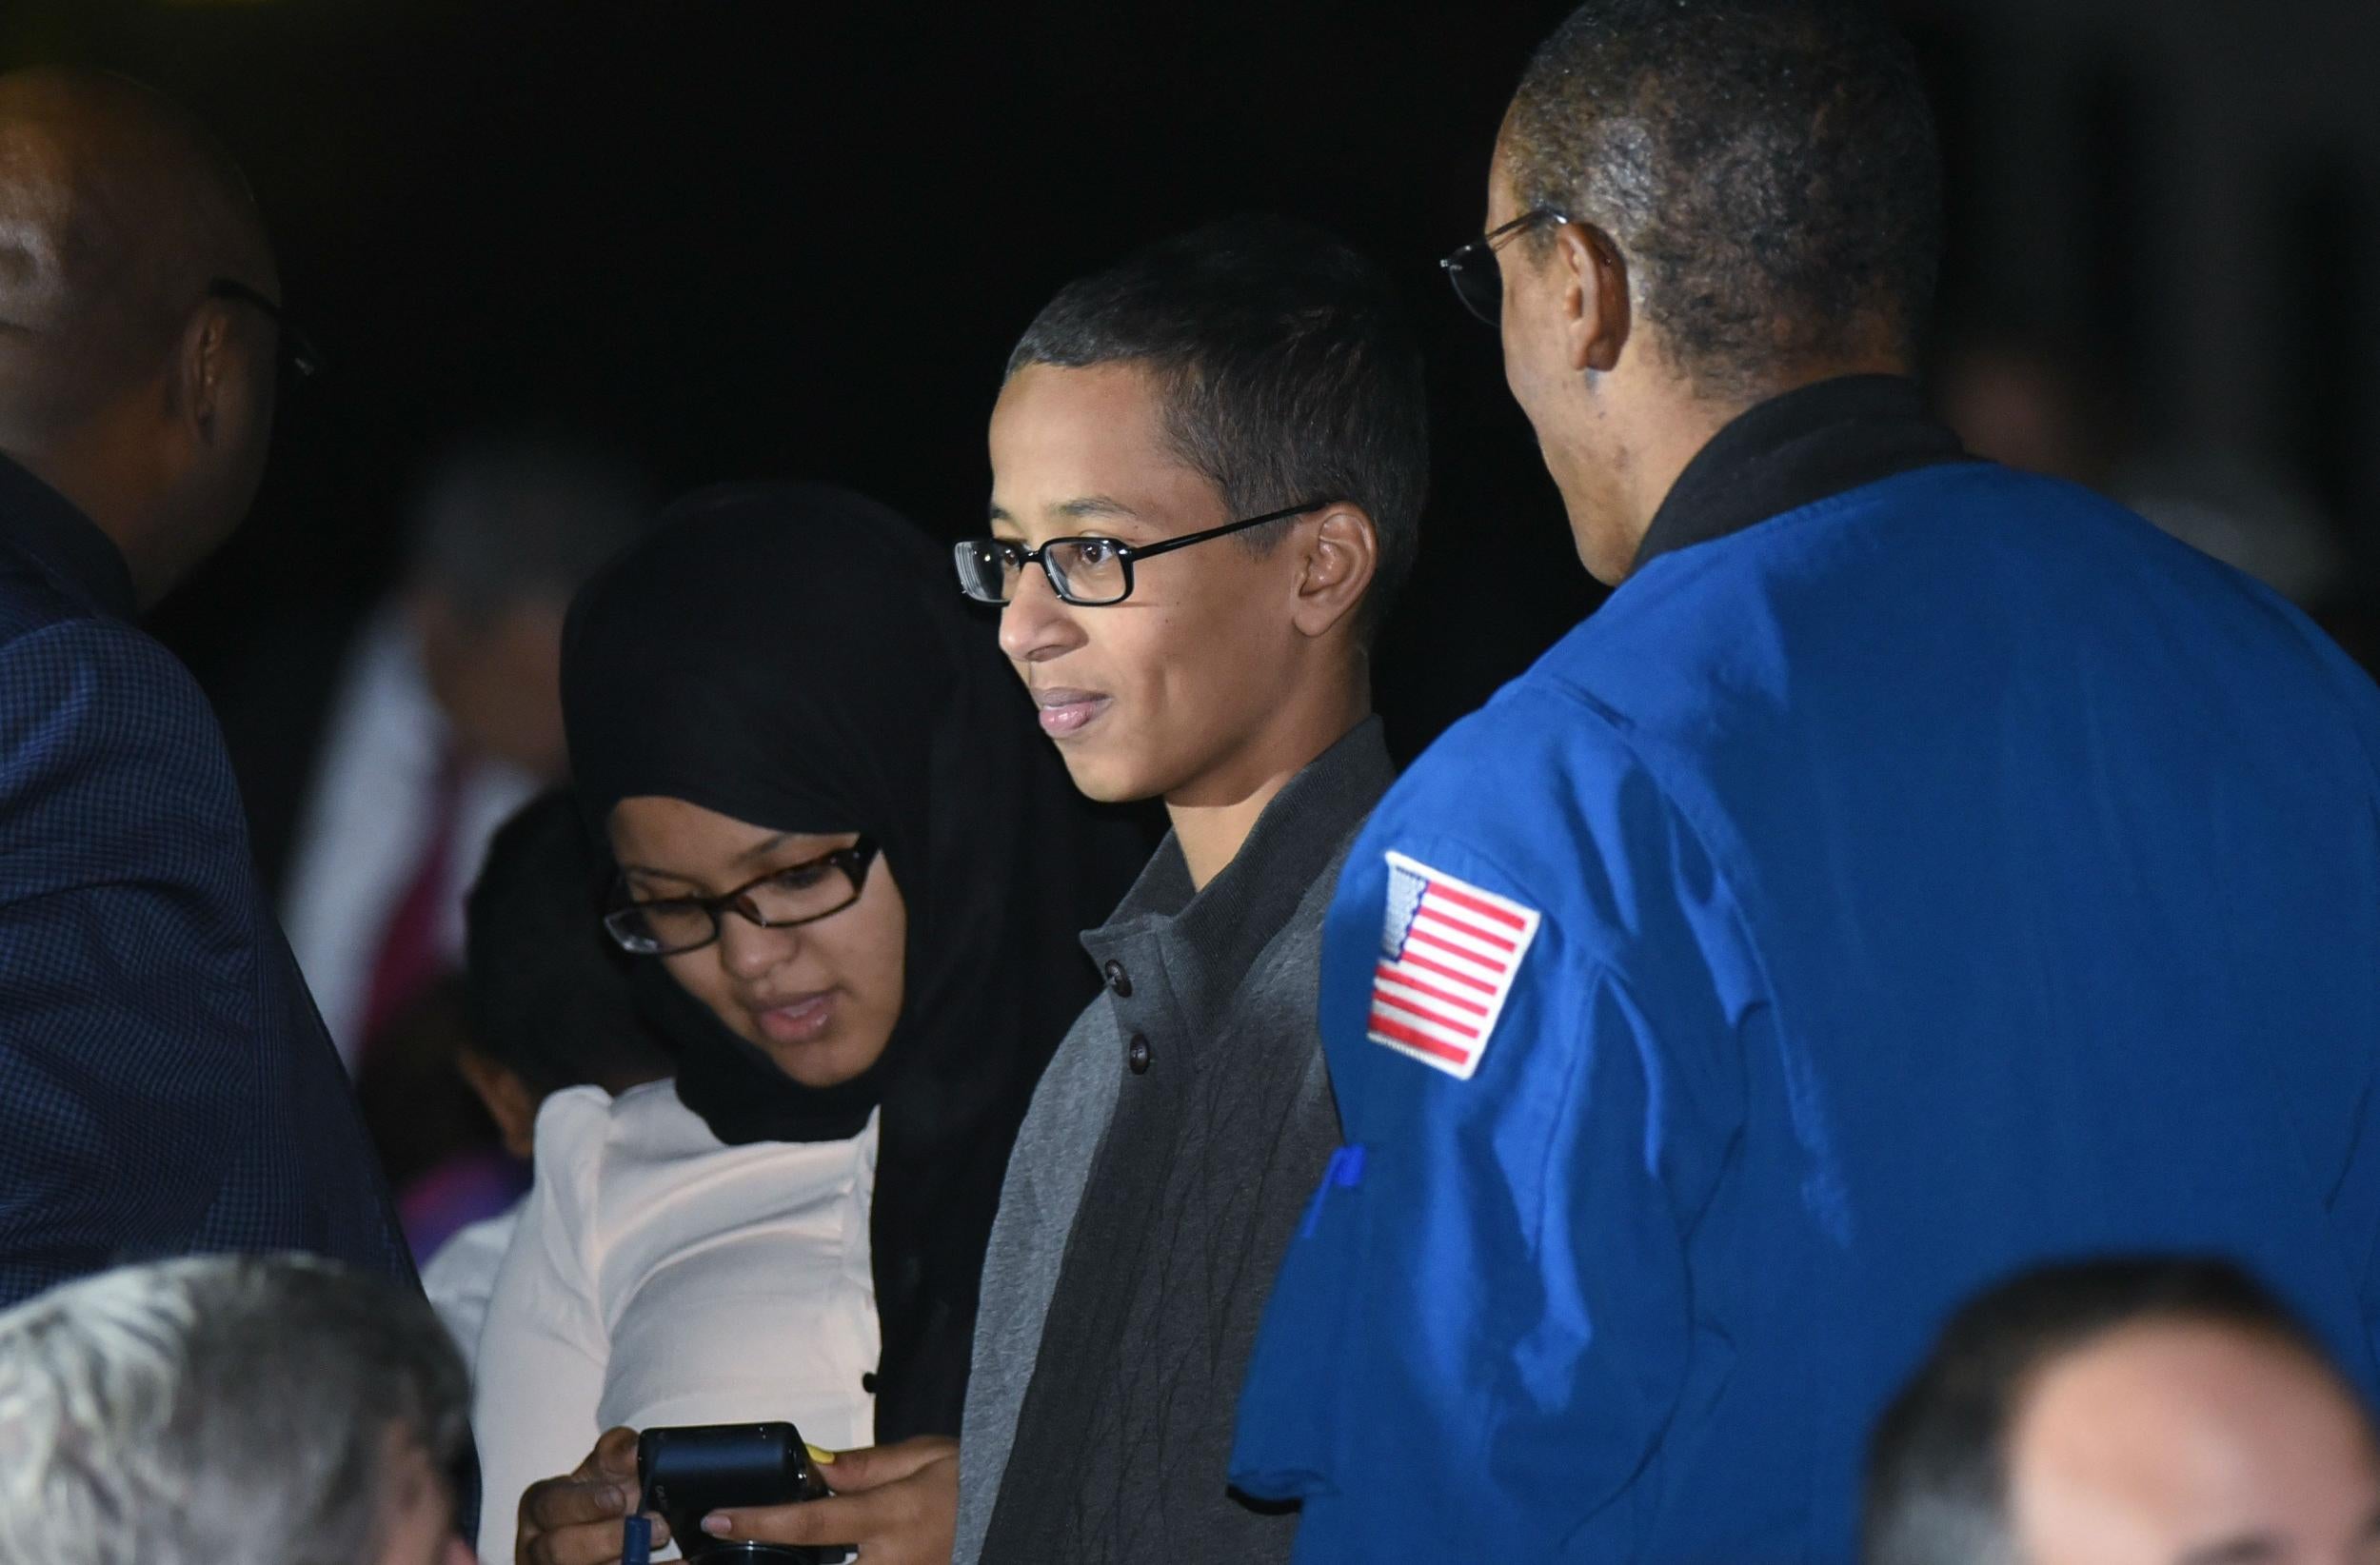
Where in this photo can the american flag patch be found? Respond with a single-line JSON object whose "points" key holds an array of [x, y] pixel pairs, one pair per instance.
{"points": [[1449, 953]]}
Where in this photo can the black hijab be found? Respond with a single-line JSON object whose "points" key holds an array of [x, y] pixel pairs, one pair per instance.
{"points": [[799, 658]]}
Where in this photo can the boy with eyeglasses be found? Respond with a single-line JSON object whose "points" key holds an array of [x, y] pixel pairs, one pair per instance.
{"points": [[1249, 387], [1208, 471]]}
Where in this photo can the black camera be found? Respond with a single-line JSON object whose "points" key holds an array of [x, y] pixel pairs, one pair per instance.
{"points": [[689, 1471]]}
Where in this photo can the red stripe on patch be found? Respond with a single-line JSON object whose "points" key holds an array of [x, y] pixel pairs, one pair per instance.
{"points": [[1485, 909], [1422, 1010], [1443, 971], [1482, 936], [1462, 951], [1391, 1027], [1433, 991]]}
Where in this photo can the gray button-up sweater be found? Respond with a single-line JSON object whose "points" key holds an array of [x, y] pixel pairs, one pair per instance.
{"points": [[1170, 1148]]}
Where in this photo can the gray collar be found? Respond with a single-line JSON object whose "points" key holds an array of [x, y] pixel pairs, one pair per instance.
{"points": [[1208, 938]]}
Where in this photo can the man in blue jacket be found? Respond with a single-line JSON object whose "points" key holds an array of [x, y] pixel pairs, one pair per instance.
{"points": [[165, 1083], [1916, 870]]}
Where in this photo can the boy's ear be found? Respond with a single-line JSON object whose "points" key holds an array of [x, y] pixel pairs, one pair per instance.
{"points": [[1342, 553]]}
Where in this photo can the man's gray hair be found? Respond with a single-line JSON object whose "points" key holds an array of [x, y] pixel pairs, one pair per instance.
{"points": [[217, 1409]]}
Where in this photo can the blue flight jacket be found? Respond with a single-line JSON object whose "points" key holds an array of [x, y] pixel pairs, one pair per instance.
{"points": [[1949, 875]]}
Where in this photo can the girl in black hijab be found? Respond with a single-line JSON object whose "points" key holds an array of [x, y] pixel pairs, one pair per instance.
{"points": [[780, 683]]}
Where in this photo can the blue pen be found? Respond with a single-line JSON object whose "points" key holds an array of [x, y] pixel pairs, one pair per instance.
{"points": [[636, 1541]]}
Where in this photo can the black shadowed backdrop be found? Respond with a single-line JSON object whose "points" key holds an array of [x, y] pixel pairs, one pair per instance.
{"points": [[787, 237]]}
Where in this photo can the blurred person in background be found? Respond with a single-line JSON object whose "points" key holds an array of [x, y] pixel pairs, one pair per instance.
{"points": [[2249, 515], [263, 1410], [1916, 869], [854, 877], [447, 717], [442, 1153], [2137, 1410], [165, 1082], [546, 1006], [2037, 400], [2049, 402]]}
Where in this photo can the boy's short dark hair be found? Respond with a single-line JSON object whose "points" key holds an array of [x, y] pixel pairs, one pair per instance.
{"points": [[1937, 1466], [545, 991], [1289, 370]]}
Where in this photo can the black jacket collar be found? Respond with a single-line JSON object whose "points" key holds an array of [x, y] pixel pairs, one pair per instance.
{"points": [[1795, 450], [43, 523]]}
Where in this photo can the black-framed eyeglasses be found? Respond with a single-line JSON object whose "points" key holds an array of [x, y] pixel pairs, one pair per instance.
{"points": [[803, 893], [1090, 572], [1477, 281], [298, 359]]}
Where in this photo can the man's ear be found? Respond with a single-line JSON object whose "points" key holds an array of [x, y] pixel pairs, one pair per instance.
{"points": [[202, 361], [1595, 314], [1341, 555]]}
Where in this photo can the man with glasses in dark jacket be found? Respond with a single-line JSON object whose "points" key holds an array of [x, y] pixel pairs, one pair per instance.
{"points": [[165, 1083]]}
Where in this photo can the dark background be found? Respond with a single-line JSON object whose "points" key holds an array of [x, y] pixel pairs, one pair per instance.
{"points": [[782, 237]]}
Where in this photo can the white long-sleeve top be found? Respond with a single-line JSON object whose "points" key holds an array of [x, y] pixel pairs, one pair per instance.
{"points": [[660, 1277], [461, 1277]]}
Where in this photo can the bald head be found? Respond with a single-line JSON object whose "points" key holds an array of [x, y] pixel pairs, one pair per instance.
{"points": [[2189, 1443], [2128, 1410], [118, 213]]}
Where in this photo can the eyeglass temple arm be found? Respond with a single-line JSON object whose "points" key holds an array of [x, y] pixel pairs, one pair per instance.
{"points": [[300, 346], [1147, 551]]}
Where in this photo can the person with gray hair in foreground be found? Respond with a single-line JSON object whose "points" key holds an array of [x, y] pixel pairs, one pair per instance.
{"points": [[265, 1410], [2131, 1411]]}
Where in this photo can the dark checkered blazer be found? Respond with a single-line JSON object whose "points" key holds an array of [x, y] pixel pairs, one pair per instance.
{"points": [[165, 1083]]}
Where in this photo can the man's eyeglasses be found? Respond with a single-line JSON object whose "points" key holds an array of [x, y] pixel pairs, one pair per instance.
{"points": [[803, 893], [298, 359], [1090, 572], [1473, 269]]}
